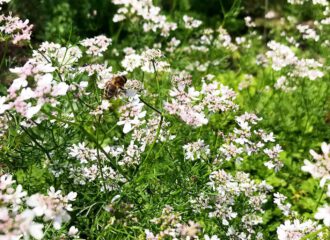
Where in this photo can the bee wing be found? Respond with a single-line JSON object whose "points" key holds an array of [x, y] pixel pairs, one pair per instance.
{"points": [[130, 92]]}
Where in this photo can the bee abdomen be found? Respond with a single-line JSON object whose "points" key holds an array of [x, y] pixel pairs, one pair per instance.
{"points": [[110, 90]]}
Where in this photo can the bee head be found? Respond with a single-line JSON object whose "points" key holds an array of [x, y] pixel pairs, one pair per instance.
{"points": [[120, 80]]}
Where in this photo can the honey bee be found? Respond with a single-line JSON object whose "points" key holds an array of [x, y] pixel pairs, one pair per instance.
{"points": [[113, 86]]}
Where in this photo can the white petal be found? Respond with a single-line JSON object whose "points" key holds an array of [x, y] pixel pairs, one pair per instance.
{"points": [[127, 127], [36, 230]]}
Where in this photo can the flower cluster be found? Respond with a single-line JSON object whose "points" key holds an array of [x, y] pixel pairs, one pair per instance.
{"points": [[321, 168], [284, 85], [218, 39], [282, 57], [191, 23], [192, 105], [222, 201], [148, 61], [53, 207], [171, 224], [307, 32], [132, 114], [172, 45], [315, 2], [245, 140], [196, 150], [144, 131], [144, 10], [28, 100], [297, 230], [13, 28], [249, 23], [96, 45], [279, 201], [47, 76], [19, 213], [63, 59], [88, 169]]}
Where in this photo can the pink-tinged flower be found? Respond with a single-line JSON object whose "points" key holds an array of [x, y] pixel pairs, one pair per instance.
{"points": [[32, 67], [150, 235], [16, 85], [53, 207], [20, 106], [192, 106], [15, 28], [4, 214], [295, 230], [44, 85]]}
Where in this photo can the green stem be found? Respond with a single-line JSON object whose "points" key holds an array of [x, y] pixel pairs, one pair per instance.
{"points": [[4, 54], [153, 108], [320, 198], [36, 142], [116, 37], [99, 163], [155, 139], [156, 78], [92, 138]]}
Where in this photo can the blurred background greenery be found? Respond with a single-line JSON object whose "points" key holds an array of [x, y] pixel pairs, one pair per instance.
{"points": [[55, 20]]}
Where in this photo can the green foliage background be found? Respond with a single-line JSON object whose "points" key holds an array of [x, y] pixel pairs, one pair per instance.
{"points": [[298, 119], [54, 19]]}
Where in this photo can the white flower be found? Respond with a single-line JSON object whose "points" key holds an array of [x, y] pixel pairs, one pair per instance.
{"points": [[196, 150], [97, 45], [36, 231], [323, 213], [295, 230], [214, 237], [280, 55], [32, 110], [190, 22], [73, 231], [321, 168], [132, 61], [59, 89]]}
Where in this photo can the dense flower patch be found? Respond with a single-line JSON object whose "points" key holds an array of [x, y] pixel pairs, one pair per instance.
{"points": [[176, 130]]}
